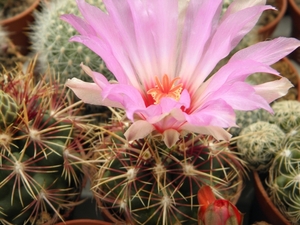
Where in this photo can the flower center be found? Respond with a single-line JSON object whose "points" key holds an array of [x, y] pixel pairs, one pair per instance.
{"points": [[166, 88]]}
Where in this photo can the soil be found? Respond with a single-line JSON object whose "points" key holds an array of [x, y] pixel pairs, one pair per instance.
{"points": [[10, 8]]}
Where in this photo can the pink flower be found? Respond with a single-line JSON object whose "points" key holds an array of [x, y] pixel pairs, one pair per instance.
{"points": [[162, 56]]}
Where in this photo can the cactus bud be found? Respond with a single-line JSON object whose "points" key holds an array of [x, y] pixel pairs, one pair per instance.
{"points": [[216, 211]]}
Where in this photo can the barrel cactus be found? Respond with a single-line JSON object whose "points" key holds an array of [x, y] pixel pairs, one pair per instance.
{"points": [[286, 114], [284, 182], [258, 143], [144, 182], [50, 40], [42, 142]]}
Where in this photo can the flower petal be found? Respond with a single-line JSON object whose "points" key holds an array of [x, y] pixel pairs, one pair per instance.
{"points": [[89, 93], [274, 89], [217, 132], [138, 129], [228, 34], [215, 113], [268, 52], [171, 136]]}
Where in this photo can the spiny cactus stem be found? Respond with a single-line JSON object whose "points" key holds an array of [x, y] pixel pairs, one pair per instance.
{"points": [[5, 139], [190, 171], [43, 195], [67, 109], [166, 202]]}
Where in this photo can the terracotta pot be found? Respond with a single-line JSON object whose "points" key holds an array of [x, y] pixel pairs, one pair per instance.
{"points": [[294, 11], [289, 71], [18, 25], [266, 31], [84, 222], [272, 214]]}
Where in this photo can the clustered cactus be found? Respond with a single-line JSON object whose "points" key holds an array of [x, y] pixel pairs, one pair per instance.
{"points": [[274, 146], [43, 139], [144, 182], [50, 40]]}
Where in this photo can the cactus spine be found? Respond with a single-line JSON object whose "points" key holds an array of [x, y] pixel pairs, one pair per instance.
{"points": [[274, 146], [50, 40], [42, 142], [144, 182], [258, 144]]}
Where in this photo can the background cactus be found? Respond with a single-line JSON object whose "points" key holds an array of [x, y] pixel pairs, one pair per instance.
{"points": [[144, 182], [50, 40], [246, 118], [258, 143], [286, 114], [273, 146], [283, 181], [42, 144]]}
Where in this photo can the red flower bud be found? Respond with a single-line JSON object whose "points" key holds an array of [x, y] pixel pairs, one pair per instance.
{"points": [[216, 211]]}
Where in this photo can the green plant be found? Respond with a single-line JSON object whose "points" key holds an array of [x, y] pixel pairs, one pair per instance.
{"points": [[144, 182], [283, 181], [286, 114], [50, 40], [246, 118], [43, 141], [258, 144]]}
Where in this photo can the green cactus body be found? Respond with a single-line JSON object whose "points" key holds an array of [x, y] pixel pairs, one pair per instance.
{"points": [[41, 150], [144, 182], [284, 181], [258, 143], [8, 110], [286, 115], [50, 40], [246, 118]]}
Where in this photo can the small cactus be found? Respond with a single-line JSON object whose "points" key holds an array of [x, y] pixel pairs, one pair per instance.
{"points": [[286, 114], [42, 144], [50, 40], [258, 143], [284, 182], [144, 182]]}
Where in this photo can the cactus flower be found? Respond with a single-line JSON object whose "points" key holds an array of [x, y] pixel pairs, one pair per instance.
{"points": [[216, 211], [162, 54]]}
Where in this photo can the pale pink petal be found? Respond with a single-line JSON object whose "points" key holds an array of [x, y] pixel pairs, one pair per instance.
{"points": [[215, 113], [139, 129], [274, 89], [79, 24], [217, 132], [105, 53], [170, 137], [227, 36], [158, 20], [268, 52], [129, 97], [89, 93], [238, 5], [201, 18], [233, 71], [241, 96]]}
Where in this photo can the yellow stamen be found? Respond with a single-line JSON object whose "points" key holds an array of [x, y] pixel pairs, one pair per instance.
{"points": [[166, 88]]}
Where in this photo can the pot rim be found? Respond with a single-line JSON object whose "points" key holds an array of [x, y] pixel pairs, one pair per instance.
{"points": [[20, 15]]}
